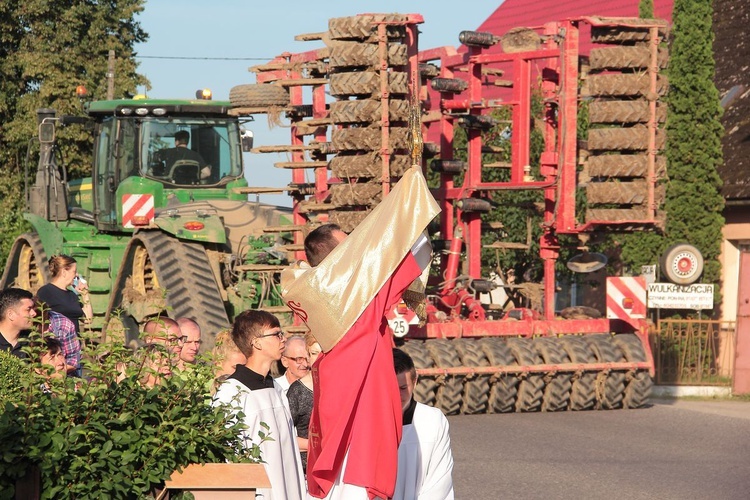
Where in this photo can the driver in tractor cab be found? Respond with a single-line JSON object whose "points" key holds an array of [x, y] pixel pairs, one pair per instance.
{"points": [[180, 163]]}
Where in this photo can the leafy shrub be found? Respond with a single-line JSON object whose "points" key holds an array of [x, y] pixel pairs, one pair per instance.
{"points": [[111, 436]]}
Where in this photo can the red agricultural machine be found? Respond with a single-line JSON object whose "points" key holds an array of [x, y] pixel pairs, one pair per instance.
{"points": [[351, 104]]}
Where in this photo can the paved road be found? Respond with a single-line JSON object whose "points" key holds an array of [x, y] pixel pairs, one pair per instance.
{"points": [[672, 450]]}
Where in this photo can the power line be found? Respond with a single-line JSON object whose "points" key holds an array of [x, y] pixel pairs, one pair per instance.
{"points": [[208, 58]]}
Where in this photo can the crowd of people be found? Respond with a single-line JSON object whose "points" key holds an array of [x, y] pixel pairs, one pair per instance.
{"points": [[342, 419]]}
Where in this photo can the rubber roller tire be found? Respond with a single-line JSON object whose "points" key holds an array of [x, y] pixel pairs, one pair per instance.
{"points": [[639, 385], [476, 387], [504, 387], [583, 388], [610, 386], [448, 394], [258, 96], [557, 389], [531, 387], [426, 387]]}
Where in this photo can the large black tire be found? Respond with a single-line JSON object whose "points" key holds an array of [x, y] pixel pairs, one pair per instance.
{"points": [[366, 83], [610, 386], [628, 139], [624, 166], [364, 27], [368, 110], [682, 264], [635, 57], [369, 139], [262, 95], [557, 389], [368, 165], [448, 397], [504, 387], [531, 387], [625, 112], [476, 387], [639, 383], [182, 271], [583, 390], [362, 194], [426, 387], [27, 265], [348, 220], [621, 193], [624, 34], [345, 55], [622, 85]]}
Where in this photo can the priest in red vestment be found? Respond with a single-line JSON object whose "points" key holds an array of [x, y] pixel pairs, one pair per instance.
{"points": [[355, 427]]}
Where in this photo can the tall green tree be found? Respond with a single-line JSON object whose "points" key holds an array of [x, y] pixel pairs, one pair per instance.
{"points": [[47, 49], [693, 200]]}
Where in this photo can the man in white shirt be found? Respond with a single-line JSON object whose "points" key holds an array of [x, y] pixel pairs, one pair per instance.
{"points": [[295, 360], [251, 391], [425, 461]]}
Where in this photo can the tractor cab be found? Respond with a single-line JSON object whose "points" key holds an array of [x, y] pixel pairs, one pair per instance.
{"points": [[165, 149]]}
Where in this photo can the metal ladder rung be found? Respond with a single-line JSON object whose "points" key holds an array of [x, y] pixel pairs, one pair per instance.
{"points": [[301, 164]]}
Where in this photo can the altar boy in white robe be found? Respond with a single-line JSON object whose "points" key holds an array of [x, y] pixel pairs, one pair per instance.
{"points": [[251, 390], [425, 461]]}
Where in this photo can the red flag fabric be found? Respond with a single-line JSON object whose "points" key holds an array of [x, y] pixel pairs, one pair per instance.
{"points": [[356, 405]]}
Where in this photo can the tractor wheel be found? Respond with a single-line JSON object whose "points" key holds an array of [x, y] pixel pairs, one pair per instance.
{"points": [[366, 83], [557, 389], [369, 165], [629, 139], [630, 85], [636, 57], [638, 390], [476, 387], [368, 110], [624, 166], [364, 27], [426, 387], [160, 274], [504, 387], [530, 389], [609, 386], [682, 264], [345, 55], [363, 194], [27, 266], [369, 139], [583, 390], [262, 95], [624, 112], [448, 397]]}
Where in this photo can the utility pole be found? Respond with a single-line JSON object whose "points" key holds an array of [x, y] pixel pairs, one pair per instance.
{"points": [[111, 75]]}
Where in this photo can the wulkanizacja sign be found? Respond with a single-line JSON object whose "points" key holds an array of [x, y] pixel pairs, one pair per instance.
{"points": [[670, 296]]}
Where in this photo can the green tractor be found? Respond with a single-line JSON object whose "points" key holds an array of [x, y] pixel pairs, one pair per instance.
{"points": [[156, 229]]}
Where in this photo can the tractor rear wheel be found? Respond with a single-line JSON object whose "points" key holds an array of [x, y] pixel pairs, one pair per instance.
{"points": [[27, 266]]}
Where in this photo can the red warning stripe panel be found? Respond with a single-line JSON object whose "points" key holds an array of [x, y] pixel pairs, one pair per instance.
{"points": [[631, 290], [136, 205]]}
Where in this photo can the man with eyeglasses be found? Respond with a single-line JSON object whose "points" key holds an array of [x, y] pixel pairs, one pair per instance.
{"points": [[295, 361], [190, 333], [251, 390], [165, 331]]}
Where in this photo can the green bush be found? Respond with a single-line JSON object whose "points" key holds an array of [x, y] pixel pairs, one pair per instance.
{"points": [[111, 436]]}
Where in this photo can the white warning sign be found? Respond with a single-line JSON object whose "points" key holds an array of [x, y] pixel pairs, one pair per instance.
{"points": [[671, 296]]}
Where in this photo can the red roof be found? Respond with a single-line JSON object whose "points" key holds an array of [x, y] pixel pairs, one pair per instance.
{"points": [[526, 13]]}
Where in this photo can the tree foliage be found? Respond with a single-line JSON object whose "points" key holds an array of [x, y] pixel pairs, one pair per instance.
{"points": [[47, 49], [646, 9]]}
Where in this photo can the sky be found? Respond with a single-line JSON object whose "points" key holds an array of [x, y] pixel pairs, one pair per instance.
{"points": [[234, 29]]}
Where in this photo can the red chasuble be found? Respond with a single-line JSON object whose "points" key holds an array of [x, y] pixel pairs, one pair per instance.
{"points": [[356, 401]]}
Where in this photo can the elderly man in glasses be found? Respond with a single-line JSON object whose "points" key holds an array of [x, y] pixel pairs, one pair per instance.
{"points": [[251, 390], [295, 361]]}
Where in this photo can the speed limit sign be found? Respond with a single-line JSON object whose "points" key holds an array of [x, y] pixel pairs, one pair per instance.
{"points": [[400, 326]]}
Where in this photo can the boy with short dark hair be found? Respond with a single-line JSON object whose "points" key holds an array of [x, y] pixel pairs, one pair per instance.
{"points": [[252, 391]]}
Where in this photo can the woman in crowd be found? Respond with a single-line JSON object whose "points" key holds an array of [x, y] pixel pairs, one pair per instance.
{"points": [[300, 397], [64, 290]]}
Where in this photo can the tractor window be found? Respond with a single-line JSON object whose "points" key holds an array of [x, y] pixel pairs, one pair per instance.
{"points": [[190, 151], [104, 178], [126, 164]]}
